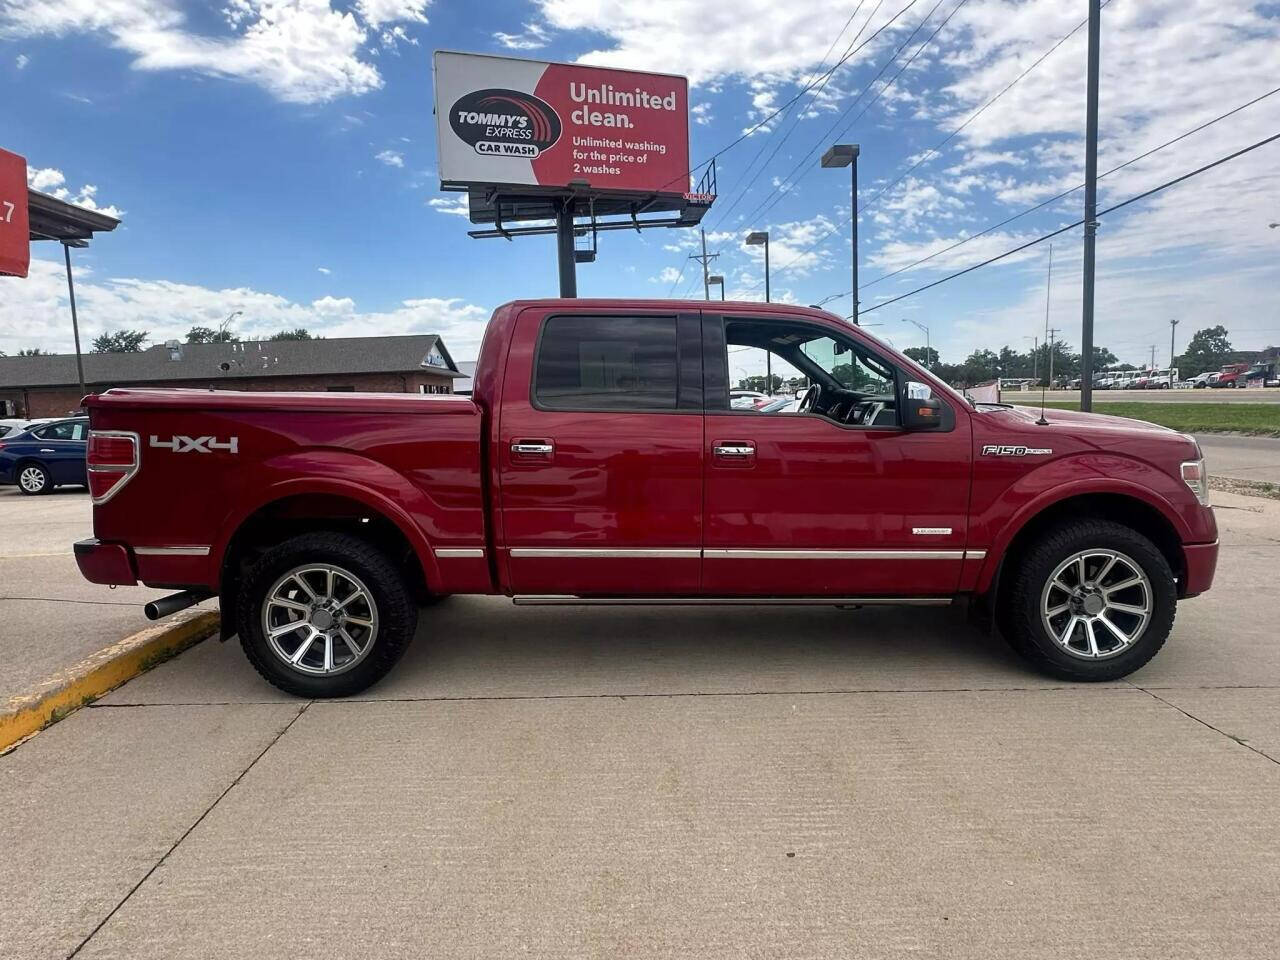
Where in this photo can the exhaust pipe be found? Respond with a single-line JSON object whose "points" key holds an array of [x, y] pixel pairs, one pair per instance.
{"points": [[159, 609]]}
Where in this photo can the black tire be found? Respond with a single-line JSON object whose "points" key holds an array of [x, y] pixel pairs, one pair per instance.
{"points": [[46, 481], [1020, 603], [392, 600]]}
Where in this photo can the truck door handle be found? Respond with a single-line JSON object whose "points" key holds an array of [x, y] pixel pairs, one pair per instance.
{"points": [[734, 450], [48, 450], [533, 448]]}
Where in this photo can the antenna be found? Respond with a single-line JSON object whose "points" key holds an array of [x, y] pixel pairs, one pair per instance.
{"points": [[1048, 286]]}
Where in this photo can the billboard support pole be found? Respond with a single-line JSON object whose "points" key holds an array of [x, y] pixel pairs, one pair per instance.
{"points": [[75, 320], [564, 248]]}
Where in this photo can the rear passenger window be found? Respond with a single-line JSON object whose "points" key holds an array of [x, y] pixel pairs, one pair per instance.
{"points": [[607, 363]]}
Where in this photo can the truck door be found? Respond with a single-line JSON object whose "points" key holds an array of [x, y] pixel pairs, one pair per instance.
{"points": [[599, 451], [833, 499]]}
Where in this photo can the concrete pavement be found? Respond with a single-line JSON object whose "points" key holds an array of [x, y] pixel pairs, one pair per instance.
{"points": [[648, 782], [50, 616]]}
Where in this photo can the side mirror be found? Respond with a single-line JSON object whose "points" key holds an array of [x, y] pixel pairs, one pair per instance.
{"points": [[922, 414], [921, 410]]}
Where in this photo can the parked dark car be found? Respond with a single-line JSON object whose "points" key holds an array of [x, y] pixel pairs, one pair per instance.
{"points": [[46, 455]]}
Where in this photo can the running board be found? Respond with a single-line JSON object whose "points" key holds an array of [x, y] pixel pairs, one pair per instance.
{"points": [[550, 600]]}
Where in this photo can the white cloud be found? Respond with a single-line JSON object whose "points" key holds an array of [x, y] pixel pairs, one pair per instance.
{"points": [[668, 275], [302, 51], [457, 205], [52, 181], [36, 312], [748, 38], [22, 61], [325, 270], [391, 158], [534, 37], [701, 113]]}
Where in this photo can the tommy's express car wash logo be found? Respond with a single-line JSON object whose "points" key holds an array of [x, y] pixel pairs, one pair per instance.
{"points": [[505, 123]]}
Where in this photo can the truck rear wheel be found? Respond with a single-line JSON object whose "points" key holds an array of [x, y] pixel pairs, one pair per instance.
{"points": [[1091, 600], [324, 615]]}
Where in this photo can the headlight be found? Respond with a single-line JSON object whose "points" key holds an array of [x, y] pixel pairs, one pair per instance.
{"points": [[1195, 477]]}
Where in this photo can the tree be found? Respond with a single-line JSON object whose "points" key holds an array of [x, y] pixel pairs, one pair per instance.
{"points": [[925, 356], [209, 335], [298, 333], [1209, 349], [122, 341], [30, 352], [1102, 358]]}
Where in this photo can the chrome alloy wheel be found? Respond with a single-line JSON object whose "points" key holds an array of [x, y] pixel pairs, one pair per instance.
{"points": [[1096, 604], [32, 479], [320, 619]]}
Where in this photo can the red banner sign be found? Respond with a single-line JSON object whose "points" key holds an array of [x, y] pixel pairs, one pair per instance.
{"points": [[15, 232], [506, 121]]}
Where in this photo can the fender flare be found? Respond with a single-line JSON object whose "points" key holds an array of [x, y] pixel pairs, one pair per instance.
{"points": [[1065, 491], [361, 492]]}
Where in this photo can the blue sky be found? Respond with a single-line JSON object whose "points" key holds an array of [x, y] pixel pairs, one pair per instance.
{"points": [[278, 157]]}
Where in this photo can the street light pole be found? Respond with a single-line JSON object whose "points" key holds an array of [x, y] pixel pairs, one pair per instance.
{"points": [[928, 348], [1173, 327], [846, 155], [75, 321], [716, 278], [755, 239], [1035, 357]]}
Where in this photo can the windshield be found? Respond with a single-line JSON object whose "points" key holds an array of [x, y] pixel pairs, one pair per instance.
{"points": [[849, 369]]}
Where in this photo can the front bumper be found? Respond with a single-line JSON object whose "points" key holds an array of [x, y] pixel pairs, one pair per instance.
{"points": [[105, 563], [1202, 561]]}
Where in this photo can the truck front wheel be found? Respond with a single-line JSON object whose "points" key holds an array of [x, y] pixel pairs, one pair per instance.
{"points": [[324, 615], [1090, 600]]}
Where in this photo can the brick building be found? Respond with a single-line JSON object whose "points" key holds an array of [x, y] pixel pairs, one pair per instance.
{"points": [[47, 386]]}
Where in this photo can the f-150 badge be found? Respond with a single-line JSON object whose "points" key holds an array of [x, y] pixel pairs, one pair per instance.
{"points": [[1001, 450], [181, 444]]}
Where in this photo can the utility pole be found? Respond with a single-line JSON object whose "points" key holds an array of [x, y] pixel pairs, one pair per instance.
{"points": [[1035, 357], [705, 259], [1051, 333], [1173, 327], [1153, 357], [1090, 206]]}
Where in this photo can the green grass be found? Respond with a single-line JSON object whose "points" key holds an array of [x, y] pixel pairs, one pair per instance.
{"points": [[1258, 419]]}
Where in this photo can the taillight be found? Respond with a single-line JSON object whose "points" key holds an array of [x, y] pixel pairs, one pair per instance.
{"points": [[112, 461]]}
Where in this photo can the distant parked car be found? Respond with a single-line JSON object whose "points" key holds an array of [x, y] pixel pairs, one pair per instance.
{"points": [[747, 399], [45, 455]]}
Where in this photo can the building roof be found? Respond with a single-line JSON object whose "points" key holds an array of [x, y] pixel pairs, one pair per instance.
{"points": [[54, 219], [234, 361]]}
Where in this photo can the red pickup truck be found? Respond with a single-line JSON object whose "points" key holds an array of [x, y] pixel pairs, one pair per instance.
{"points": [[600, 461]]}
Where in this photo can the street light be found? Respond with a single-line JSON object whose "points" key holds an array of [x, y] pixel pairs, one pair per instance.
{"points": [[757, 238], [846, 155], [928, 350], [717, 279]]}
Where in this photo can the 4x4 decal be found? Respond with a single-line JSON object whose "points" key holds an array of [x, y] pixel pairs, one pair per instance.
{"points": [[181, 444]]}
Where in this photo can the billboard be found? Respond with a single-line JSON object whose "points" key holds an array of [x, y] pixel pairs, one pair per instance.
{"points": [[15, 233], [500, 120]]}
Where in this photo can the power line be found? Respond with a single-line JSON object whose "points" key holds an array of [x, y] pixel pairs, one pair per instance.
{"points": [[1066, 193], [764, 142], [805, 167], [1072, 226], [750, 130], [933, 151], [766, 202]]}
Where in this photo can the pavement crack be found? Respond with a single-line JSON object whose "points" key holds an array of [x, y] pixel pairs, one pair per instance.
{"points": [[186, 833], [1200, 720]]}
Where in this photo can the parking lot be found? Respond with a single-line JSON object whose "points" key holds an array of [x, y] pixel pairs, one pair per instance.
{"points": [[717, 782]]}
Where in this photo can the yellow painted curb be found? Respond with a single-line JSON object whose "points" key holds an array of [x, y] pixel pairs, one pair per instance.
{"points": [[69, 689]]}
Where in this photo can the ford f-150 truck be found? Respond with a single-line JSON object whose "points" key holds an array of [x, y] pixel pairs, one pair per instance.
{"points": [[600, 461]]}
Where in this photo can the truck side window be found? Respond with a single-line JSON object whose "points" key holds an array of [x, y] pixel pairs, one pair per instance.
{"points": [[607, 363]]}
